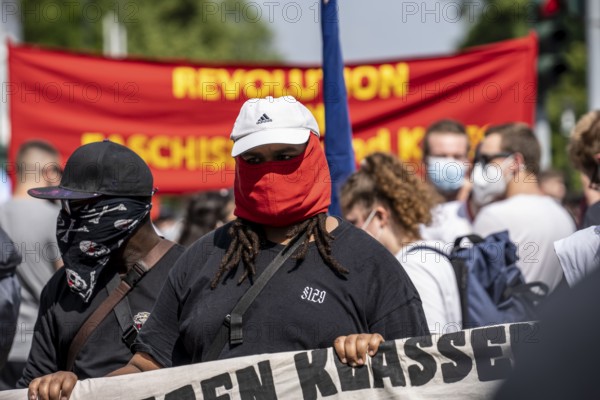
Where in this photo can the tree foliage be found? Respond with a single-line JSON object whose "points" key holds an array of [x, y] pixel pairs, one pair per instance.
{"points": [[192, 29], [497, 20], [506, 19], [202, 30]]}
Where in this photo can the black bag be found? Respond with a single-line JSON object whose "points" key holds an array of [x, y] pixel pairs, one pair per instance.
{"points": [[10, 293]]}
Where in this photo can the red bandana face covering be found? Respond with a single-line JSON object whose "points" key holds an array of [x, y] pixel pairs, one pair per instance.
{"points": [[283, 193]]}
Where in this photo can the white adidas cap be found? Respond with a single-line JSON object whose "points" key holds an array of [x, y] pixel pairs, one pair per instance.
{"points": [[266, 121]]}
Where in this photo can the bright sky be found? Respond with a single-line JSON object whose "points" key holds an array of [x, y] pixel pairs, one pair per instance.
{"points": [[373, 30]]}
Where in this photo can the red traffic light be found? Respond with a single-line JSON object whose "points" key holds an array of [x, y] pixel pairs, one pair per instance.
{"points": [[548, 8]]}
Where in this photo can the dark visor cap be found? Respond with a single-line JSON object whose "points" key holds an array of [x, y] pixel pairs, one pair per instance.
{"points": [[100, 168]]}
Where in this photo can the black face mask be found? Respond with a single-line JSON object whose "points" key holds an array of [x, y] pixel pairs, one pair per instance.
{"points": [[87, 237]]}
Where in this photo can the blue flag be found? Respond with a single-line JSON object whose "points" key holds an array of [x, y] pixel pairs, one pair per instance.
{"points": [[338, 131]]}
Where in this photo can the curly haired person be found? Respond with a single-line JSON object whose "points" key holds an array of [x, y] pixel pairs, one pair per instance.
{"points": [[584, 153], [391, 203]]}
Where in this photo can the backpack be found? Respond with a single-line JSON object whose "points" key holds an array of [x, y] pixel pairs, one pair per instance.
{"points": [[10, 293], [492, 288]]}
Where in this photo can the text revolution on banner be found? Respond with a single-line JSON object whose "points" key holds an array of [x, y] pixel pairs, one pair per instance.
{"points": [[178, 116], [467, 364]]}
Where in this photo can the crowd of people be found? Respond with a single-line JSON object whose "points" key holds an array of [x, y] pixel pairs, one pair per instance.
{"points": [[161, 295]]}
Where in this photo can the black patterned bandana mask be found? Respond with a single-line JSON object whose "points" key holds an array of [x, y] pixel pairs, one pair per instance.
{"points": [[89, 236]]}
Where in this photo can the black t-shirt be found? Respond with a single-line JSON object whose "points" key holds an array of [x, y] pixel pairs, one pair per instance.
{"points": [[62, 312], [559, 359], [302, 307]]}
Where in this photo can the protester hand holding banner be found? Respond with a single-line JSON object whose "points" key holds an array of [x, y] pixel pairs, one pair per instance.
{"points": [[467, 364], [178, 115]]}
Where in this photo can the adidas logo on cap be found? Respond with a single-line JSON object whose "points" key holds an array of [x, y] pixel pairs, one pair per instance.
{"points": [[283, 120], [263, 118]]}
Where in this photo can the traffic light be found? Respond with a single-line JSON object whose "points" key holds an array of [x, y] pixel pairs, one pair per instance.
{"points": [[553, 35]]}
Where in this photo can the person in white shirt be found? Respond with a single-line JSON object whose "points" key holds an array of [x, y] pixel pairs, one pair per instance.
{"points": [[446, 160], [505, 173], [390, 202], [579, 254], [584, 153]]}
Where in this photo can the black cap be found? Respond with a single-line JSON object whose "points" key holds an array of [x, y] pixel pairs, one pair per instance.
{"points": [[100, 168]]}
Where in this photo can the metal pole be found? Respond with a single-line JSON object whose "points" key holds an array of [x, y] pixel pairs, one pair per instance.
{"points": [[10, 28], [593, 46], [114, 35], [543, 132]]}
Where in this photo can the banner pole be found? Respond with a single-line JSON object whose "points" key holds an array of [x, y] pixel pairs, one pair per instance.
{"points": [[338, 130]]}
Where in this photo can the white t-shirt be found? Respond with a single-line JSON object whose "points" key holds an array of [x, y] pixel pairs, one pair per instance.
{"points": [[534, 223], [450, 220], [434, 278], [579, 254], [5, 189]]}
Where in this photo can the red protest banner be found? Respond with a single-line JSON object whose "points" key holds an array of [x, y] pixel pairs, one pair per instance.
{"points": [[178, 115]]}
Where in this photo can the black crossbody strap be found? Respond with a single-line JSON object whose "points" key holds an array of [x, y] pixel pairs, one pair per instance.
{"points": [[231, 329], [431, 248], [123, 313], [133, 276]]}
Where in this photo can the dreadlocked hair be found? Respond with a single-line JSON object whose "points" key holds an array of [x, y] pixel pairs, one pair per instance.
{"points": [[245, 245]]}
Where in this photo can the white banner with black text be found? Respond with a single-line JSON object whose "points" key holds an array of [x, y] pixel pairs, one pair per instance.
{"points": [[467, 364]]}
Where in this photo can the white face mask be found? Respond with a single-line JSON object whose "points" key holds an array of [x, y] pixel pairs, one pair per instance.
{"points": [[368, 221], [489, 183]]}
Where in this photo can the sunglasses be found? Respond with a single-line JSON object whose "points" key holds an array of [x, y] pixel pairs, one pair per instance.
{"points": [[485, 159]]}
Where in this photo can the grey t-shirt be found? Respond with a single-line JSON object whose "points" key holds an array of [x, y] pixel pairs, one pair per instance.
{"points": [[31, 224]]}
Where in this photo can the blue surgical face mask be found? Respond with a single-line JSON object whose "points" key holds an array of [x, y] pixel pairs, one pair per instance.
{"points": [[446, 173]]}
